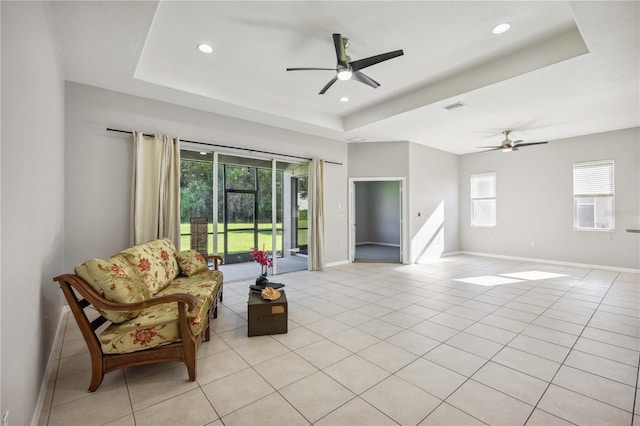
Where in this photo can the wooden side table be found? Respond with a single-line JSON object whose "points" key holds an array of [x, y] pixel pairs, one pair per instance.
{"points": [[267, 316]]}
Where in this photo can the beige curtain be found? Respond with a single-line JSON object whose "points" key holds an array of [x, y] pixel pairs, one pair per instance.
{"points": [[316, 214], [155, 203]]}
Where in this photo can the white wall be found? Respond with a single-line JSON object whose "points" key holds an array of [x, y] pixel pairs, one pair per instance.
{"points": [[378, 159], [32, 202], [433, 202], [98, 178], [535, 201]]}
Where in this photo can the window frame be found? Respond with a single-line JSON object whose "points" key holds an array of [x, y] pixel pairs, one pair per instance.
{"points": [[494, 198], [594, 196]]}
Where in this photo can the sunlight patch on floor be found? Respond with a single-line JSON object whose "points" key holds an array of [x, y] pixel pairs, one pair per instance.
{"points": [[488, 280], [534, 275], [511, 278]]}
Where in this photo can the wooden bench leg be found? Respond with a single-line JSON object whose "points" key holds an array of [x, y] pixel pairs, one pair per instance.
{"points": [[191, 361], [96, 375]]}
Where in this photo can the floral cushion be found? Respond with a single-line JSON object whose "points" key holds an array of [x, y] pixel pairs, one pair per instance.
{"points": [[155, 263], [158, 325], [117, 281], [191, 262]]}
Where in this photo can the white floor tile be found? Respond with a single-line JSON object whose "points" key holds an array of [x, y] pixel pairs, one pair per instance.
{"points": [[580, 409], [400, 400], [431, 377], [511, 382], [489, 405], [191, 407], [303, 395], [455, 359], [447, 415], [356, 412], [596, 387], [356, 374]]}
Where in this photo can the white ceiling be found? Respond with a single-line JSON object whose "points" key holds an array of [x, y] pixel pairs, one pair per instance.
{"points": [[564, 69]]}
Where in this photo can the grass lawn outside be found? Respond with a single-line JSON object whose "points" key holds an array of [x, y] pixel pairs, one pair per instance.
{"points": [[242, 241]]}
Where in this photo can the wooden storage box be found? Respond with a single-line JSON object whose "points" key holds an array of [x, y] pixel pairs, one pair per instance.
{"points": [[265, 316]]}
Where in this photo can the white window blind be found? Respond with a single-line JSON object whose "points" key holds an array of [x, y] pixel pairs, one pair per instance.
{"points": [[483, 199], [593, 190], [483, 185], [593, 179]]}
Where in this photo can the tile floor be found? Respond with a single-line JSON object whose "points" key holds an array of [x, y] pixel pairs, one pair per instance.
{"points": [[460, 341]]}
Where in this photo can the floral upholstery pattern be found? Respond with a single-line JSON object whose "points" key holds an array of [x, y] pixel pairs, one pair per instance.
{"points": [[116, 280], [155, 262], [158, 325], [191, 262]]}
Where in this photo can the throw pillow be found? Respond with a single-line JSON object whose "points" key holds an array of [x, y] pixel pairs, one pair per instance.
{"points": [[116, 281], [191, 262]]}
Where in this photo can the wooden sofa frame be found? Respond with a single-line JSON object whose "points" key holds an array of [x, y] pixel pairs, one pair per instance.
{"points": [[184, 351]]}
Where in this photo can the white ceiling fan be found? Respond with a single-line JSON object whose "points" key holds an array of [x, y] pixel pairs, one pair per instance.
{"points": [[508, 145]]}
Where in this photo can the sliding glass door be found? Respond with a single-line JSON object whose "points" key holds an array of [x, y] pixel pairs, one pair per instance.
{"points": [[259, 203]]}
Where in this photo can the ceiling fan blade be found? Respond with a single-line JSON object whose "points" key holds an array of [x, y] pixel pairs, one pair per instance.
{"points": [[341, 54], [311, 69], [517, 142], [494, 147], [365, 79], [530, 143], [372, 60], [329, 84]]}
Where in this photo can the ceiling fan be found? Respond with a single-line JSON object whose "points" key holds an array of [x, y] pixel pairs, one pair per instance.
{"points": [[347, 69], [508, 145]]}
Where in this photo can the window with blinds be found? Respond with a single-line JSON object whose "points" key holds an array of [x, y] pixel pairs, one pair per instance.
{"points": [[593, 190], [483, 199]]}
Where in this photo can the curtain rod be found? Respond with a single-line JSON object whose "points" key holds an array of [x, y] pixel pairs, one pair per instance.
{"points": [[228, 146]]}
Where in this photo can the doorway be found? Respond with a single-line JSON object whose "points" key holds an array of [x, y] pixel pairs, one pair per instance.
{"points": [[377, 220]]}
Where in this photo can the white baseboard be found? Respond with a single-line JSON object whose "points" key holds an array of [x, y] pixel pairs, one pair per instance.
{"points": [[338, 263], [378, 244], [553, 262], [451, 253], [35, 420], [524, 259]]}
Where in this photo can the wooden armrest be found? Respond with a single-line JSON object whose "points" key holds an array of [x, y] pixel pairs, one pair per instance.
{"points": [[101, 303], [216, 259]]}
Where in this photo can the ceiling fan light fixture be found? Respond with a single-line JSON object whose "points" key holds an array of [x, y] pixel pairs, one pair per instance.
{"points": [[344, 74], [205, 48], [501, 28], [507, 149]]}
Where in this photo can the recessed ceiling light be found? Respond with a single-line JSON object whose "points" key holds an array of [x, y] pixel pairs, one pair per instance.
{"points": [[454, 106], [205, 48], [356, 139], [203, 153], [501, 28], [344, 99]]}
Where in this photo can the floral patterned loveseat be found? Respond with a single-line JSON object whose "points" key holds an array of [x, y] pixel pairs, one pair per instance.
{"points": [[158, 304]]}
